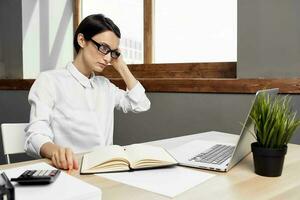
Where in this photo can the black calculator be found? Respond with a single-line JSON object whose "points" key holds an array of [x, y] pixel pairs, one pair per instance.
{"points": [[37, 177]]}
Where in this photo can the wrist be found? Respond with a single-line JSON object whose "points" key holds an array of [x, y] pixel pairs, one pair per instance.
{"points": [[123, 70], [119, 64], [120, 67], [47, 150]]}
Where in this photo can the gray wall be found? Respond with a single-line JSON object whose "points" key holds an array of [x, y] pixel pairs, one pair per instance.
{"points": [[268, 38], [171, 115], [11, 39], [180, 114], [13, 109]]}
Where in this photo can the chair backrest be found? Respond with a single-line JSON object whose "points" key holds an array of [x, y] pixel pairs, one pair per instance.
{"points": [[13, 138]]}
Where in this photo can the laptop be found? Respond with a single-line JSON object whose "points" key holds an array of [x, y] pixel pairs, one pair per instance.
{"points": [[219, 156]]}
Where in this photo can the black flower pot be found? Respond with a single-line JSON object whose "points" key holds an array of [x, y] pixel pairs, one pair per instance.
{"points": [[267, 161]]}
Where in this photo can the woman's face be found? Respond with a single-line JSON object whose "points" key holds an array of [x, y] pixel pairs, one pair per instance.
{"points": [[94, 59]]}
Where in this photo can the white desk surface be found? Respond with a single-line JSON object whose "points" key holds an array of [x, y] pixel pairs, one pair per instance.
{"points": [[209, 136]]}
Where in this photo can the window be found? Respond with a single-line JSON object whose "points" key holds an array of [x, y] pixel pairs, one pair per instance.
{"points": [[140, 39], [195, 31], [128, 15], [172, 77], [199, 31]]}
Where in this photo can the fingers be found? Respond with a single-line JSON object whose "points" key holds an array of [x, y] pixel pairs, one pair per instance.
{"points": [[69, 157], [63, 158], [75, 163], [54, 161]]}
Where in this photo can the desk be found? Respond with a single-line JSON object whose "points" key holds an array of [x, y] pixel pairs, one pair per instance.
{"points": [[239, 183]]}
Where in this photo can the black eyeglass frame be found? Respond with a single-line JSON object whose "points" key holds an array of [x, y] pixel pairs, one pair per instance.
{"points": [[113, 53]]}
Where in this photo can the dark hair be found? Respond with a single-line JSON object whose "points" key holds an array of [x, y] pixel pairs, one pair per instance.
{"points": [[92, 25]]}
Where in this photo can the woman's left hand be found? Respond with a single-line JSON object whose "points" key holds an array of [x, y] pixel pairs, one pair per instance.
{"points": [[121, 67], [118, 63]]}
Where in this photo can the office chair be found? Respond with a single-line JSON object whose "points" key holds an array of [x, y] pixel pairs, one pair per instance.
{"points": [[13, 138]]}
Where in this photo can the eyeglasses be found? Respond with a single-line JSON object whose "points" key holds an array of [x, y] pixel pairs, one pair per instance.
{"points": [[105, 49]]}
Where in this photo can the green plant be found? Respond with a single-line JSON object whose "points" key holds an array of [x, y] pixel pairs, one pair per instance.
{"points": [[274, 120]]}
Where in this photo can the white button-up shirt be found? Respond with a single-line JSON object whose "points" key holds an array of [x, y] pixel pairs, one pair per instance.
{"points": [[74, 111]]}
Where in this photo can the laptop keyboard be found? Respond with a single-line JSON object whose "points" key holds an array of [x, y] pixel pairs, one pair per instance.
{"points": [[217, 154]]}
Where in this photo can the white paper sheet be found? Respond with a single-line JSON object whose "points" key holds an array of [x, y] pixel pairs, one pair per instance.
{"points": [[166, 181], [65, 186]]}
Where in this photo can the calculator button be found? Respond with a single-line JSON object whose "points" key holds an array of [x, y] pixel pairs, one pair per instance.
{"points": [[25, 173], [47, 173], [36, 173], [31, 173], [40, 172], [44, 172], [53, 172]]}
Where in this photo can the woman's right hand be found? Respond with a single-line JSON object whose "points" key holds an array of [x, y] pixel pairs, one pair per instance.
{"points": [[64, 158], [61, 157]]}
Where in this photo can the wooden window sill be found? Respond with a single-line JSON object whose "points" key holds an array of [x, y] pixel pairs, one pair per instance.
{"points": [[191, 85]]}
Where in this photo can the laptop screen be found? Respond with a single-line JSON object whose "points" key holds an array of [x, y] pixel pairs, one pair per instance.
{"points": [[243, 146]]}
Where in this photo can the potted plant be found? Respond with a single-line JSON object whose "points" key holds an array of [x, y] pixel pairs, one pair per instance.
{"points": [[274, 123]]}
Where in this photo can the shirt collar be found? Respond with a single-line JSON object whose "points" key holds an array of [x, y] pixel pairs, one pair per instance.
{"points": [[82, 79]]}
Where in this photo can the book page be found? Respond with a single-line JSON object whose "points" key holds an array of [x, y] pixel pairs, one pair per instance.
{"points": [[106, 157], [142, 156]]}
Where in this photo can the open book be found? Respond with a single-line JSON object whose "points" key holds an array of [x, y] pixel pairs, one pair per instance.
{"points": [[117, 158]]}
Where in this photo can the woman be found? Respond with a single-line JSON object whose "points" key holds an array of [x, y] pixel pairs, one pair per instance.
{"points": [[72, 110]]}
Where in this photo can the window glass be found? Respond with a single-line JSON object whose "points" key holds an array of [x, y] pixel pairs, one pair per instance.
{"points": [[128, 16], [195, 31]]}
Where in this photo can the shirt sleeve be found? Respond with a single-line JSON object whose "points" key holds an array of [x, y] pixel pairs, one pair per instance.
{"points": [[134, 100], [41, 99]]}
